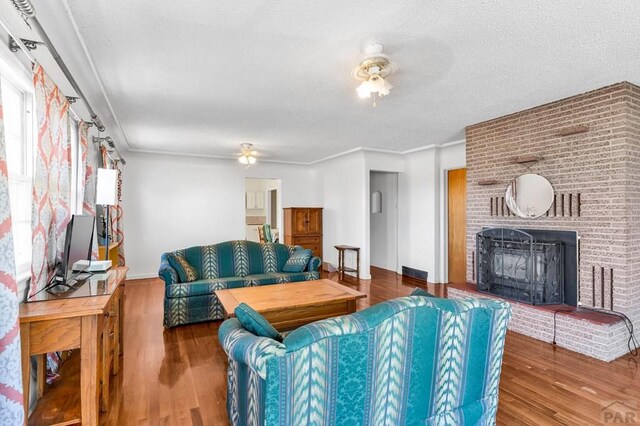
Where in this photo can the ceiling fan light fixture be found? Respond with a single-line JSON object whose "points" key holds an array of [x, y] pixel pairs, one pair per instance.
{"points": [[247, 155], [372, 71]]}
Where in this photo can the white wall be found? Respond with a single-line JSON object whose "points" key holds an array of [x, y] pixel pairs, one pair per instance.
{"points": [[345, 183], [173, 202], [384, 225], [342, 182], [422, 211], [417, 212]]}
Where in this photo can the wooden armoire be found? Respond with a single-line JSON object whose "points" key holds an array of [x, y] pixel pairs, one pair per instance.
{"points": [[303, 227]]}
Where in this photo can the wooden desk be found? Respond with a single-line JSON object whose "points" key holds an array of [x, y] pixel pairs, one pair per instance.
{"points": [[291, 305], [85, 323]]}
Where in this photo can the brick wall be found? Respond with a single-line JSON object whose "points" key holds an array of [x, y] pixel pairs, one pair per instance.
{"points": [[602, 164]]}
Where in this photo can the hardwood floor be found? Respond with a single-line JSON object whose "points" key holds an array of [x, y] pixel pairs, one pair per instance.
{"points": [[177, 376]]}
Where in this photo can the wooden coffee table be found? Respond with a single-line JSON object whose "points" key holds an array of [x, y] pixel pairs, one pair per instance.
{"points": [[291, 305]]}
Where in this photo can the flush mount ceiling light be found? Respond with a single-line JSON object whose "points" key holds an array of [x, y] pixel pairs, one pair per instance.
{"points": [[373, 70], [247, 155]]}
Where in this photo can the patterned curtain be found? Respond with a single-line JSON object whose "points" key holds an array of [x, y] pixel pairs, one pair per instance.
{"points": [[117, 222], [87, 186], [11, 407], [104, 156], [52, 179], [115, 212]]}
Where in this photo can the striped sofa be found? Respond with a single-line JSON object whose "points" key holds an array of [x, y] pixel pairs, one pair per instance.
{"points": [[409, 361], [230, 264]]}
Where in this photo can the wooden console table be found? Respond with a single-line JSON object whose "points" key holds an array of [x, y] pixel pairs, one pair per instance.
{"points": [[93, 324]]}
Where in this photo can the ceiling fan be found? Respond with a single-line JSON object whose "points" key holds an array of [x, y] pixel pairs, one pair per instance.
{"points": [[247, 155], [372, 71]]}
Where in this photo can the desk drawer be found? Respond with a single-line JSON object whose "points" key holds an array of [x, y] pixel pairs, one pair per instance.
{"points": [[54, 335]]}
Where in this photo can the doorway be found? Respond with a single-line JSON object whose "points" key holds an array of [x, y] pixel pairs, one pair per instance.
{"points": [[384, 220], [262, 206], [457, 224]]}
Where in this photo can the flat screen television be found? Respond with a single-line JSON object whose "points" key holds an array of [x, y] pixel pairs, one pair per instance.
{"points": [[77, 247]]}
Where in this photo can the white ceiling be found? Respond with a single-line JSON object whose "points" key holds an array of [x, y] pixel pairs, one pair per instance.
{"points": [[201, 77]]}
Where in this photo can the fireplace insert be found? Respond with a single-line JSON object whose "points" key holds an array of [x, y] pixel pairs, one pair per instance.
{"points": [[512, 264]]}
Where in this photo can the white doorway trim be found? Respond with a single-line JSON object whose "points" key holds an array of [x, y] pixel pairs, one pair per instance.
{"points": [[393, 231]]}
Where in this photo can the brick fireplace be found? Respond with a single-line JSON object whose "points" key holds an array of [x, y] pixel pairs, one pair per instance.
{"points": [[588, 147]]}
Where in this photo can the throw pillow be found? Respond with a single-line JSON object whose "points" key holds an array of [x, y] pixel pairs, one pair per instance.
{"points": [[298, 261], [252, 321], [420, 292], [186, 272]]}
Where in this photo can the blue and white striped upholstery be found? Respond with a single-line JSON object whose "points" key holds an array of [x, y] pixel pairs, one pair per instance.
{"points": [[408, 361]]}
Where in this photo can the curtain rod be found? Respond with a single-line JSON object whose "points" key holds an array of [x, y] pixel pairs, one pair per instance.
{"points": [[25, 50], [29, 14], [47, 41]]}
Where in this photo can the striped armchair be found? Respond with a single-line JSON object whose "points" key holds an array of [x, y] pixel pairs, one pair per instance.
{"points": [[409, 361]]}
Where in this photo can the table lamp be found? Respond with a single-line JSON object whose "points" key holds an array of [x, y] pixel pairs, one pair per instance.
{"points": [[106, 190]]}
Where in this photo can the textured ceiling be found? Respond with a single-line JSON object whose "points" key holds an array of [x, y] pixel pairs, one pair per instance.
{"points": [[201, 77]]}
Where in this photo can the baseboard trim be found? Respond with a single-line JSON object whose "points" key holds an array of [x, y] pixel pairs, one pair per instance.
{"points": [[141, 276], [326, 266]]}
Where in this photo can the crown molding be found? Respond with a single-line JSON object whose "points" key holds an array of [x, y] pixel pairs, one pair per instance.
{"points": [[210, 156], [95, 73], [422, 148], [448, 144], [331, 157], [301, 163], [385, 151]]}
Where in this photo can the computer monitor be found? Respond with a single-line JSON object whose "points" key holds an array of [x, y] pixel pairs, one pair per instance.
{"points": [[77, 247]]}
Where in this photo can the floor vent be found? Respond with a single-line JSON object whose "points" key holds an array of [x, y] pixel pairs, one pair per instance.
{"points": [[415, 273]]}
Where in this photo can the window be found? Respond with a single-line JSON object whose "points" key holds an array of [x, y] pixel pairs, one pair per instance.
{"points": [[18, 126]]}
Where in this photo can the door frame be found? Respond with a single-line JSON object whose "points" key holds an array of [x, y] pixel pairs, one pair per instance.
{"points": [[269, 207], [280, 212], [397, 221]]}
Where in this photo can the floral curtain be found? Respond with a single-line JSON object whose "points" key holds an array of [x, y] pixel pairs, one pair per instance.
{"points": [[11, 406], [87, 185], [115, 212], [52, 179]]}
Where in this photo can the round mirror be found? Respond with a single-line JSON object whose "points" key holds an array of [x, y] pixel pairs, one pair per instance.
{"points": [[529, 196]]}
